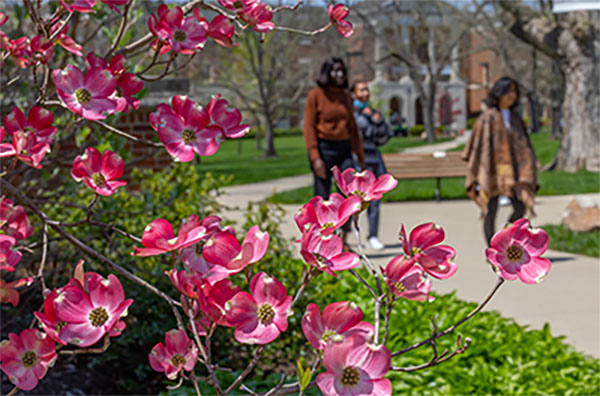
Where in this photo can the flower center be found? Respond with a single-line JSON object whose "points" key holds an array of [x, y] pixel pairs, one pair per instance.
{"points": [[415, 251], [99, 180], [265, 314], [400, 287], [177, 360], [29, 129], [359, 193], [327, 225], [179, 36], [83, 96], [328, 334], [349, 376], [198, 247], [98, 316], [60, 325], [29, 359], [514, 253], [188, 136]]}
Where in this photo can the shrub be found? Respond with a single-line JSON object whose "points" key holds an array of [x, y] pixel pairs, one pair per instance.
{"points": [[416, 130]]}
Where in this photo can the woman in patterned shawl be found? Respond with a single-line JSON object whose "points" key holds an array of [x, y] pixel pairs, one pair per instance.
{"points": [[501, 160]]}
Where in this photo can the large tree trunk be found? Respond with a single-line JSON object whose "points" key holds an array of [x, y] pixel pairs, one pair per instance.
{"points": [[572, 39], [557, 95], [580, 145]]}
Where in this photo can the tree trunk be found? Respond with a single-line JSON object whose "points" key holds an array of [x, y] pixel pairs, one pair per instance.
{"points": [[556, 101], [269, 137], [580, 144], [428, 102]]}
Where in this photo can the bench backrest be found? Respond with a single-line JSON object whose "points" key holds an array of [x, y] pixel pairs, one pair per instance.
{"points": [[423, 166]]}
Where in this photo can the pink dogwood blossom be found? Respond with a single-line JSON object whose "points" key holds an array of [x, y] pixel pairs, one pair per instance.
{"points": [[422, 246], [185, 35], [9, 257], [38, 122], [363, 184], [337, 16], [64, 40], [261, 316], [41, 49], [184, 129], [88, 96], [355, 367], [159, 237], [405, 279], [48, 319], [178, 353], [325, 252], [128, 84], [91, 313], [515, 251], [220, 29], [339, 319], [20, 52], [8, 292], [226, 118], [26, 357], [99, 171], [214, 299], [83, 6], [14, 220], [26, 147], [329, 214], [258, 17]]}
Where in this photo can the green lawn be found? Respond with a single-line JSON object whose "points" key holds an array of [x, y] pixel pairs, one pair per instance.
{"points": [[249, 165], [551, 183], [587, 243]]}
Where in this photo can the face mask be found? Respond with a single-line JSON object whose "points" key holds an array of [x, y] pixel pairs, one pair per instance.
{"points": [[360, 105]]}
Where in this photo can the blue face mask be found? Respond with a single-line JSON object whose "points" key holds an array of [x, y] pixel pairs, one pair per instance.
{"points": [[360, 105]]}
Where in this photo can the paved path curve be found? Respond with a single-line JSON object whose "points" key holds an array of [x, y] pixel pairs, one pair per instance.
{"points": [[568, 299]]}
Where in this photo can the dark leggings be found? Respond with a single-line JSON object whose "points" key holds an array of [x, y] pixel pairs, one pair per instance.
{"points": [[489, 226]]}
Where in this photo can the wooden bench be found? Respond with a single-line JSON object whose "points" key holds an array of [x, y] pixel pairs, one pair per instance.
{"points": [[436, 165]]}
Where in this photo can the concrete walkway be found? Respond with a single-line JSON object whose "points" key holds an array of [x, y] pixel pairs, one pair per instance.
{"points": [[568, 299]]}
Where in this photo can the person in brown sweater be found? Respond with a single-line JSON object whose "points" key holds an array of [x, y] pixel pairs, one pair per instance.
{"points": [[330, 132]]}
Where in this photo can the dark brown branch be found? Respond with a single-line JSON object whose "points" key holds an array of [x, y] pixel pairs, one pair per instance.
{"points": [[454, 326]]}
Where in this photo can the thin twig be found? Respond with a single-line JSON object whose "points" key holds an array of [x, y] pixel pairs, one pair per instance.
{"points": [[121, 31], [454, 326], [303, 32], [247, 370], [126, 135], [364, 282], [205, 356], [57, 31], [40, 274]]}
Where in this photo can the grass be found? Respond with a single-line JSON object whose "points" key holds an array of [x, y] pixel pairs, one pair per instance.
{"points": [[551, 183], [561, 238], [241, 159]]}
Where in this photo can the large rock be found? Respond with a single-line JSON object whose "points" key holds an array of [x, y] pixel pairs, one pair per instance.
{"points": [[583, 215]]}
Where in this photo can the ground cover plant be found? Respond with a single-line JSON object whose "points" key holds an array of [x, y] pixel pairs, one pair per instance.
{"points": [[121, 265]]}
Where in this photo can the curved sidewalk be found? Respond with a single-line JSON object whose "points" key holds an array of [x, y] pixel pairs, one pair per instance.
{"points": [[568, 299]]}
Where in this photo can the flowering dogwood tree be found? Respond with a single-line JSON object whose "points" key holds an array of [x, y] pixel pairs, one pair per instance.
{"points": [[205, 258]]}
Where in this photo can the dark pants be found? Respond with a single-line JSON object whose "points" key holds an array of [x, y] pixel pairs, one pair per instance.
{"points": [[378, 169], [489, 227], [332, 152]]}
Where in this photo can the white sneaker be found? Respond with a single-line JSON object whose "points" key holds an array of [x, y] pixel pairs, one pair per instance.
{"points": [[503, 201], [375, 244]]}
